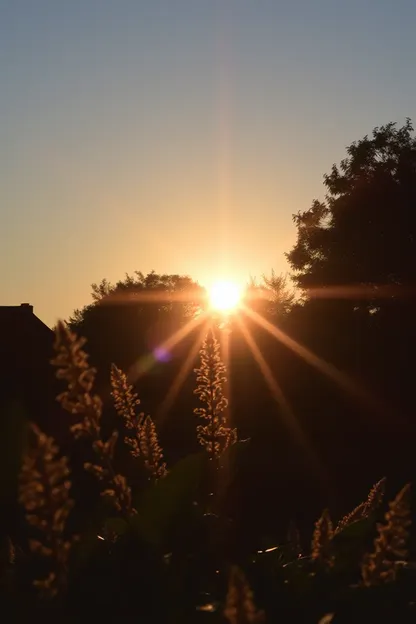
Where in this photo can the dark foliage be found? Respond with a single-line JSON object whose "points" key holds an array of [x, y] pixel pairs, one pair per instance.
{"points": [[340, 415]]}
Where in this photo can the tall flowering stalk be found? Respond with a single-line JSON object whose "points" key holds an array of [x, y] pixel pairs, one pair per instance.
{"points": [[373, 502], [125, 399], [239, 604], [150, 450], [214, 435], [375, 496], [44, 494], [72, 366], [390, 545], [322, 540], [141, 431]]}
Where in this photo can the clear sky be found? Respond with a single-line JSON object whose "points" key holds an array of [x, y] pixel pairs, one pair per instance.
{"points": [[179, 135]]}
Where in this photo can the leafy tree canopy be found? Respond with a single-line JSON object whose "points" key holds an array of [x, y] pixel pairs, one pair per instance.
{"points": [[142, 289], [272, 295], [131, 317], [363, 234]]}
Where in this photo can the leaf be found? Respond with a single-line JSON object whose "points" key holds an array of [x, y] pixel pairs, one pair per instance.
{"points": [[85, 550], [116, 525], [298, 575], [358, 530], [233, 455], [387, 603], [350, 543], [169, 498]]}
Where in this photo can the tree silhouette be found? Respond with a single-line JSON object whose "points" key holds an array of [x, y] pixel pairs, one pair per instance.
{"points": [[130, 289], [354, 261], [129, 319], [364, 233], [271, 296], [355, 251]]}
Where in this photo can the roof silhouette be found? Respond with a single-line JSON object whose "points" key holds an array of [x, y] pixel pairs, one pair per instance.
{"points": [[26, 374]]}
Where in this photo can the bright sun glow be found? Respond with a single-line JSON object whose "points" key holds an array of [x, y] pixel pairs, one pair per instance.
{"points": [[224, 296]]}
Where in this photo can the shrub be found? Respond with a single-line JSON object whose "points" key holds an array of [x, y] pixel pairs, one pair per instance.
{"points": [[159, 552]]}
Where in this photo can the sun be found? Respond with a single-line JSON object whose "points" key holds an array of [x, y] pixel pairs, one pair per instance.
{"points": [[224, 296]]}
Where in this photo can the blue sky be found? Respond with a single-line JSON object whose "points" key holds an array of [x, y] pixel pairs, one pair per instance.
{"points": [[179, 135]]}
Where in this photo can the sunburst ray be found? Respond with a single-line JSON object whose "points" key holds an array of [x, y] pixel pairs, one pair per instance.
{"points": [[345, 382], [284, 405], [183, 372], [146, 362]]}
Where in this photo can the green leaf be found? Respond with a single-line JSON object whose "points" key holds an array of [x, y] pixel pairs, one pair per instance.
{"points": [[358, 530], [233, 454], [85, 550], [232, 460], [169, 498], [119, 526], [298, 575], [351, 543]]}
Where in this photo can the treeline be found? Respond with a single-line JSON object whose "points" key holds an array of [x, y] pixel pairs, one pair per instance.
{"points": [[329, 403]]}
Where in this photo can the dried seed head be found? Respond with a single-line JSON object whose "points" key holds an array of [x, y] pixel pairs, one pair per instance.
{"points": [[44, 493], [72, 364], [322, 539], [213, 434], [390, 544], [125, 399], [239, 605]]}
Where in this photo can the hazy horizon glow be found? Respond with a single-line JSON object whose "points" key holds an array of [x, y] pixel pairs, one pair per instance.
{"points": [[181, 135]]}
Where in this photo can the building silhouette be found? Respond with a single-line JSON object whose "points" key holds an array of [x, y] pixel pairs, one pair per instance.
{"points": [[26, 374]]}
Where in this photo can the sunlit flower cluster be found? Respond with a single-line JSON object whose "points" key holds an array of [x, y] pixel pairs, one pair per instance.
{"points": [[239, 605], [214, 435], [72, 367], [44, 494], [375, 496], [390, 545], [373, 502], [141, 435], [150, 449], [72, 364], [322, 540], [125, 399]]}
